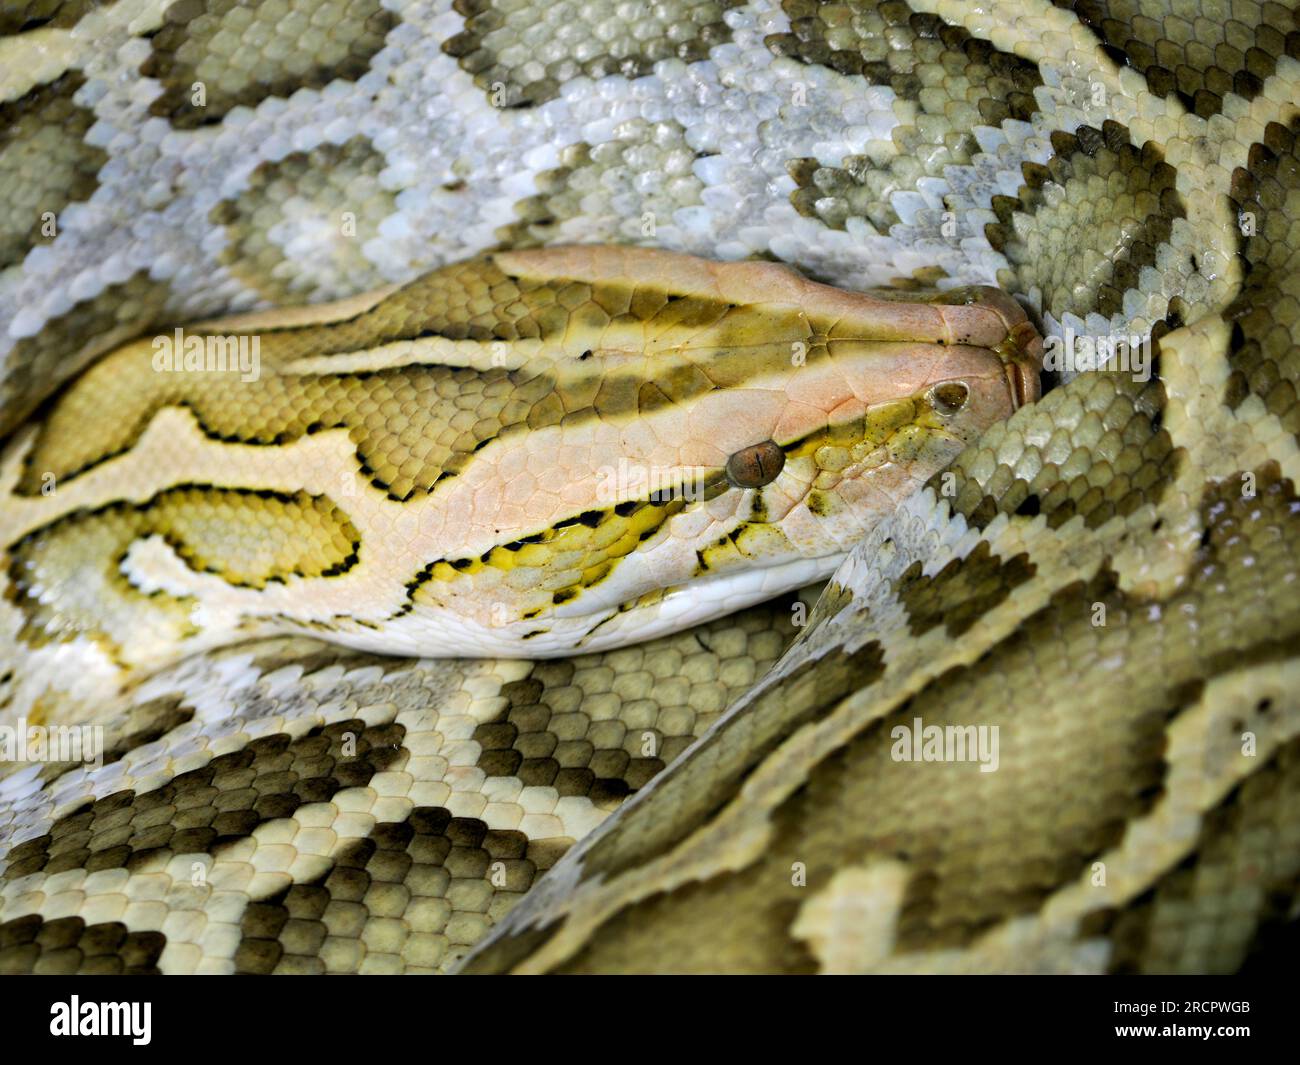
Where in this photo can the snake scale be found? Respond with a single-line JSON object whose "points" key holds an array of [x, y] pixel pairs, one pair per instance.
{"points": [[386, 681]]}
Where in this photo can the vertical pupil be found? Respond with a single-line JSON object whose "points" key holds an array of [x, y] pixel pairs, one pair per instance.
{"points": [[756, 465]]}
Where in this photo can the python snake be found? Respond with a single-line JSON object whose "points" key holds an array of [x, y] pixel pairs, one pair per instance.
{"points": [[492, 557]]}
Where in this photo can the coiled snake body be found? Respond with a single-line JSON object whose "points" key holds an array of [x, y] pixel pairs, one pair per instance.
{"points": [[574, 462]]}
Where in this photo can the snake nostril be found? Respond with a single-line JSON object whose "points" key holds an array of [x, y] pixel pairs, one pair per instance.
{"points": [[949, 397], [756, 465]]}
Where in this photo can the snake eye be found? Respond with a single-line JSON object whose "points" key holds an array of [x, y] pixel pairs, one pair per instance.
{"points": [[949, 397], [756, 465]]}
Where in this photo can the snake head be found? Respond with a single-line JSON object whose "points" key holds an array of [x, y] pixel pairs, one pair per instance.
{"points": [[524, 454], [748, 426]]}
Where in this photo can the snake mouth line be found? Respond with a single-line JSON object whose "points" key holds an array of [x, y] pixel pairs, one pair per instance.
{"points": [[1023, 354]]}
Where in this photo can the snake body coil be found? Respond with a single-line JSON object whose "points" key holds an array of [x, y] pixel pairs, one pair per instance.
{"points": [[379, 609]]}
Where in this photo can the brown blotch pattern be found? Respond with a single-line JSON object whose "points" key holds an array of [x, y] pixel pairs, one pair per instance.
{"points": [[962, 592], [69, 343], [683, 801], [520, 56], [313, 189], [413, 897], [912, 819], [45, 163], [956, 81], [224, 801], [584, 725], [142, 724], [1185, 54], [594, 185], [67, 946], [1247, 840], [19, 16], [528, 745], [834, 598], [243, 52], [539, 216], [1120, 201], [1265, 315], [311, 656], [1090, 744]]}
